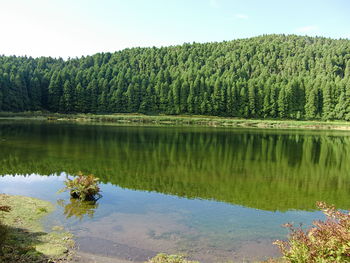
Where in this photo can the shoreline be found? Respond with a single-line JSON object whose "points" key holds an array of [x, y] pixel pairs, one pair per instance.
{"points": [[25, 239], [180, 120]]}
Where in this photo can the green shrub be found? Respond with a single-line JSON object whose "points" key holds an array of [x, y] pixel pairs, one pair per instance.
{"points": [[163, 258], [326, 241], [83, 187]]}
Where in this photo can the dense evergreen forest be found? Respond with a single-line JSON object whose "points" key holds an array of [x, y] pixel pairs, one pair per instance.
{"points": [[272, 76]]}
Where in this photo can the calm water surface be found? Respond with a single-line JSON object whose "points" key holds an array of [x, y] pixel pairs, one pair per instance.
{"points": [[213, 194]]}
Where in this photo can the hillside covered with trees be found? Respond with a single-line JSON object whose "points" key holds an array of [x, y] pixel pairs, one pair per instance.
{"points": [[272, 76]]}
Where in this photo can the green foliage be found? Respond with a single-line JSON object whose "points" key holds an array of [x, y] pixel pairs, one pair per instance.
{"points": [[271, 76], [164, 258], [83, 187], [326, 241]]}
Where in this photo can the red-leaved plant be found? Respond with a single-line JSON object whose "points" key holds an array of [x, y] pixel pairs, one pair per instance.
{"points": [[325, 241], [84, 187]]}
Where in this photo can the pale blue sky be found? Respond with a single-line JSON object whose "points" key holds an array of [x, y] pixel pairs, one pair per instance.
{"points": [[83, 27]]}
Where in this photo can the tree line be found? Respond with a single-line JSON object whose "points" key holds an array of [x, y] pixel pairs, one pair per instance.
{"points": [[270, 76]]}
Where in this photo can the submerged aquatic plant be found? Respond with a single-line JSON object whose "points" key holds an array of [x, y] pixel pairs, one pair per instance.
{"points": [[83, 187], [326, 241]]}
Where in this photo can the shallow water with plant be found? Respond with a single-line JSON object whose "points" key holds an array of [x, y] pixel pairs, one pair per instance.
{"points": [[215, 194]]}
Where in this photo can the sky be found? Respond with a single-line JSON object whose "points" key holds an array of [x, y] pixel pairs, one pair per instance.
{"points": [[73, 28]]}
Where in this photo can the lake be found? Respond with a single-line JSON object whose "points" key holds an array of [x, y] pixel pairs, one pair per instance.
{"points": [[214, 194]]}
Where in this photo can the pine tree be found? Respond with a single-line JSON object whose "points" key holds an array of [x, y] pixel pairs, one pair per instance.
{"points": [[68, 97], [244, 104], [347, 99], [328, 103], [252, 101], [267, 103], [35, 94], [311, 104], [273, 102], [282, 103], [80, 105], [54, 92]]}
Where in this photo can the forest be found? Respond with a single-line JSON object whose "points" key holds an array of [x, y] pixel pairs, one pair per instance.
{"points": [[265, 77]]}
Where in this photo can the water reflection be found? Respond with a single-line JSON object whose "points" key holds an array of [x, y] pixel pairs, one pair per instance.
{"points": [[281, 173], [135, 225], [78, 208], [264, 169]]}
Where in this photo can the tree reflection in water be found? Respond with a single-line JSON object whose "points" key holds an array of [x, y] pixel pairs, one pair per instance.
{"points": [[78, 208]]}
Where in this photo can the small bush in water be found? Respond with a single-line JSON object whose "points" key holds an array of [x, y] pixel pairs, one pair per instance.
{"points": [[327, 241], [164, 258], [84, 187]]}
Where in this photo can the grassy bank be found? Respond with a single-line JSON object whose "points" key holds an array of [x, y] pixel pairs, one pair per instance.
{"points": [[185, 120], [26, 240]]}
